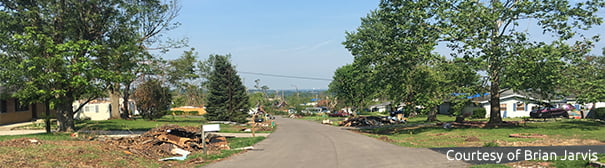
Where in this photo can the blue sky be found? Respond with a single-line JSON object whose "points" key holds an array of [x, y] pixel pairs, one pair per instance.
{"points": [[291, 38]]}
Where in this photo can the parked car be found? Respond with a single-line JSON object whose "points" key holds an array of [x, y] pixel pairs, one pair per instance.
{"points": [[551, 112], [338, 114]]}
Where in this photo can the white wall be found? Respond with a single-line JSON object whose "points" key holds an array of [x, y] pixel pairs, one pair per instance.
{"points": [[94, 111], [511, 110]]}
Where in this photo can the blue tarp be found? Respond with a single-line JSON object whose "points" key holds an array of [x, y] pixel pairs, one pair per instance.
{"points": [[470, 96]]}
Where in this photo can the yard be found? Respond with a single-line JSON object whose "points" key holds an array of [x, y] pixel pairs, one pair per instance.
{"points": [[66, 150], [560, 132]]}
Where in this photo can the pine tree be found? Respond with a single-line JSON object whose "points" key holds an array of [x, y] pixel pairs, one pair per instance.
{"points": [[227, 98]]}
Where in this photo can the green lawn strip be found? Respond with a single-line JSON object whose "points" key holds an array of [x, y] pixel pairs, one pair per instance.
{"points": [[43, 136], [435, 136]]}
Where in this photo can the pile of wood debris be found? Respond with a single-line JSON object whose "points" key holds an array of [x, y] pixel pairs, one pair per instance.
{"points": [[364, 121], [163, 141]]}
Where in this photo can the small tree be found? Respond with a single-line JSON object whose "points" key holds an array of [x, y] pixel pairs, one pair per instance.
{"points": [[227, 98], [153, 100]]}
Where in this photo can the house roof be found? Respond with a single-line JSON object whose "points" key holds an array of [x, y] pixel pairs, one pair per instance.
{"points": [[526, 95]]}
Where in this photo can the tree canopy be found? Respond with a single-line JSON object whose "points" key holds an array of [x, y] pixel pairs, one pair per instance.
{"points": [[396, 44], [61, 51]]}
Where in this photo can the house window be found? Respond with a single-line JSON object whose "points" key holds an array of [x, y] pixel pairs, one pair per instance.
{"points": [[502, 107], [3, 106], [20, 106], [520, 107], [91, 109]]}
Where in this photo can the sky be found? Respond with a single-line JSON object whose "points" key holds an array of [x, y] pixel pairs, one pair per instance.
{"points": [[271, 38], [275, 37]]}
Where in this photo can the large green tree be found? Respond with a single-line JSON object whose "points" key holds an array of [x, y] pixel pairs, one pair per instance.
{"points": [[61, 51], [350, 86], [395, 44], [491, 31], [127, 59], [49, 51], [227, 97]]}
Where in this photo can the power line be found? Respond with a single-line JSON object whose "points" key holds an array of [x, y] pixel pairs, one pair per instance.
{"points": [[285, 76]]}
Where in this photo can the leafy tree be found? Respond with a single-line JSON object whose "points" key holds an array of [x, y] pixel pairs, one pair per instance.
{"points": [[350, 86], [182, 74], [51, 51], [227, 98], [589, 86], [127, 59], [394, 45], [489, 31], [153, 100]]}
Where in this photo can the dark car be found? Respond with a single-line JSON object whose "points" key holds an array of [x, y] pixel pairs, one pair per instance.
{"points": [[338, 114], [550, 112]]}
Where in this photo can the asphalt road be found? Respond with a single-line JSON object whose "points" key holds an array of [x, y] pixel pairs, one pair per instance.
{"points": [[299, 143]]}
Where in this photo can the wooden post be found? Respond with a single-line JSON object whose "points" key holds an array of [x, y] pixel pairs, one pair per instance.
{"points": [[204, 140], [253, 129]]}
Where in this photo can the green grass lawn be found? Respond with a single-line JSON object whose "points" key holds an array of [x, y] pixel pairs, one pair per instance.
{"points": [[140, 124], [436, 136]]}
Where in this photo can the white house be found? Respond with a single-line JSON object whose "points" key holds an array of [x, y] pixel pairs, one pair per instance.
{"points": [[95, 110], [519, 104], [98, 109]]}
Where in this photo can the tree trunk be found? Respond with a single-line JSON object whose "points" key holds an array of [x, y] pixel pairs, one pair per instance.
{"points": [[65, 114], [432, 115], [114, 98], [125, 97], [494, 115], [47, 116]]}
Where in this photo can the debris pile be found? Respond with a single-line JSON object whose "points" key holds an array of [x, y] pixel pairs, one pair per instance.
{"points": [[363, 121], [166, 141]]}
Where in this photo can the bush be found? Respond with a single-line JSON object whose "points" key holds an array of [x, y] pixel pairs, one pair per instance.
{"points": [[598, 113], [478, 113]]}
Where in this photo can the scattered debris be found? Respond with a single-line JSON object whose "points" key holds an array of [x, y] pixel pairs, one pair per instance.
{"points": [[362, 121], [170, 142], [294, 116], [326, 121], [245, 148], [178, 151]]}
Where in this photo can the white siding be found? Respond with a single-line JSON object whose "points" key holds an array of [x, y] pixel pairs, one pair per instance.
{"points": [[97, 111]]}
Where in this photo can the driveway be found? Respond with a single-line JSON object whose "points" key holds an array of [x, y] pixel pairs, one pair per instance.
{"points": [[299, 143]]}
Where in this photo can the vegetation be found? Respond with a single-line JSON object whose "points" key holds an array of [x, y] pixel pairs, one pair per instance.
{"points": [[436, 136], [394, 44], [153, 100], [227, 96], [478, 113], [597, 113], [56, 52]]}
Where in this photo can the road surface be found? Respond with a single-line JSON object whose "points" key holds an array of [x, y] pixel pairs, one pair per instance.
{"points": [[299, 143]]}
